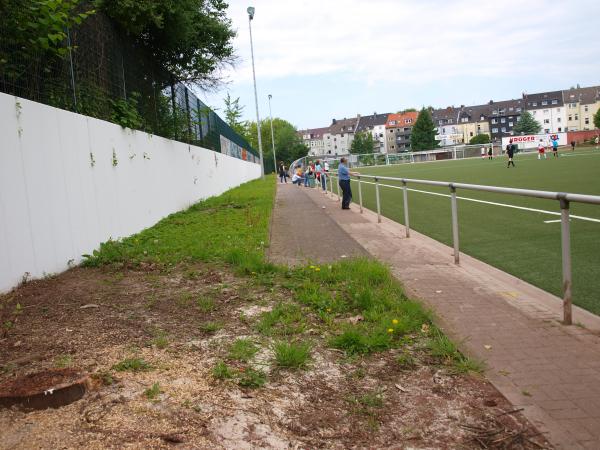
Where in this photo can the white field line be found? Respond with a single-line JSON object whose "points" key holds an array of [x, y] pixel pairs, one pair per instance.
{"points": [[552, 221], [523, 208]]}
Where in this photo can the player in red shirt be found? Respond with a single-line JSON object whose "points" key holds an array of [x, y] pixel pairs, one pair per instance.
{"points": [[541, 150]]}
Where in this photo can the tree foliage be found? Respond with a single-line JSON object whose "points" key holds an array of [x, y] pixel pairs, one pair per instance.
{"points": [[36, 28], [362, 143], [288, 144], [404, 111], [233, 114], [423, 132], [190, 39], [483, 138], [597, 119], [527, 124]]}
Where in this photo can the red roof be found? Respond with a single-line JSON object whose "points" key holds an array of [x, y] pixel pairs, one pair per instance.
{"points": [[401, 120]]}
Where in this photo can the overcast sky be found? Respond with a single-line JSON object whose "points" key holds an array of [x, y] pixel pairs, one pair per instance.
{"points": [[322, 59]]}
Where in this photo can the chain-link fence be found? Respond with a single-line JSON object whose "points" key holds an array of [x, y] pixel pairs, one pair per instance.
{"points": [[100, 73]]}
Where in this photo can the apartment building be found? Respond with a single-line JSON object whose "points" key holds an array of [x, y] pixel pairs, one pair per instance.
{"points": [[503, 116], [374, 124], [398, 129], [338, 139], [446, 120], [474, 120], [580, 105], [313, 139], [548, 109]]}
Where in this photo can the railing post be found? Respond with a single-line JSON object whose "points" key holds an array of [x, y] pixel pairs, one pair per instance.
{"points": [[338, 190], [406, 222], [377, 198], [454, 223], [360, 195], [566, 261]]}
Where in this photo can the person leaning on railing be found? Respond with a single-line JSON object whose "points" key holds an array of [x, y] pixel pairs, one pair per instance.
{"points": [[344, 180]]}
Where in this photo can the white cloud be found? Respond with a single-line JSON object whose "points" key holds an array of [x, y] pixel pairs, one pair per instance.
{"points": [[413, 41]]}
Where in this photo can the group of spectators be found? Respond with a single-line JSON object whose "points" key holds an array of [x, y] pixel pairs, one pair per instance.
{"points": [[319, 172], [314, 172]]}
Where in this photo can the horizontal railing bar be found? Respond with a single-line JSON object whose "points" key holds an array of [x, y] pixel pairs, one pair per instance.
{"points": [[549, 195]]}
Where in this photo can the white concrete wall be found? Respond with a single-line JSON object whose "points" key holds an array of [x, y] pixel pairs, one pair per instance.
{"points": [[55, 206]]}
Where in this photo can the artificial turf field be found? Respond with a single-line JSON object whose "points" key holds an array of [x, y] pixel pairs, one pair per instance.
{"points": [[516, 241]]}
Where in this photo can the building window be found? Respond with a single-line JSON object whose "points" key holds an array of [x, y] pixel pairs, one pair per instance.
{"points": [[545, 111], [449, 120], [504, 129], [587, 120], [470, 134], [495, 112], [510, 124], [342, 135], [576, 116], [585, 108], [572, 105], [546, 120], [503, 120], [545, 102], [481, 118], [518, 109], [494, 130], [558, 119], [570, 117], [494, 121], [534, 104], [555, 102]]}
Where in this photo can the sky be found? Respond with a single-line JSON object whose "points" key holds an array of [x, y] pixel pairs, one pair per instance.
{"points": [[325, 59]]}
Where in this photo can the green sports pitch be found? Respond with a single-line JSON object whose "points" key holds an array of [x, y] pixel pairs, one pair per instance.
{"points": [[522, 242]]}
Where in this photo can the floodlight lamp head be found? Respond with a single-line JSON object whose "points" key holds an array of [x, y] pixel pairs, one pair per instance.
{"points": [[250, 12], [270, 96]]}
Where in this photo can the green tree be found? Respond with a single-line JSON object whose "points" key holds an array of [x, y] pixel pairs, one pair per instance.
{"points": [[362, 143], [597, 119], [527, 124], [423, 132], [188, 39], [483, 138], [233, 114], [404, 111], [288, 144]]}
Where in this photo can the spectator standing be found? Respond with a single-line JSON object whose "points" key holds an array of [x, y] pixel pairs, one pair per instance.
{"points": [[283, 175], [573, 145], [344, 181]]}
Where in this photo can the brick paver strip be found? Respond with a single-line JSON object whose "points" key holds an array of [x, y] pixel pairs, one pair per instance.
{"points": [[550, 370]]}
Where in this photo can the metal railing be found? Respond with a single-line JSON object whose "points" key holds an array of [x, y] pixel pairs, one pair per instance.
{"points": [[563, 198]]}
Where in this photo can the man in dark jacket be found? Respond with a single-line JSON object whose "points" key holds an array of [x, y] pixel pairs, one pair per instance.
{"points": [[510, 152]]}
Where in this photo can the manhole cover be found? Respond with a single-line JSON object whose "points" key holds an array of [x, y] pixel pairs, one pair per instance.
{"points": [[51, 388]]}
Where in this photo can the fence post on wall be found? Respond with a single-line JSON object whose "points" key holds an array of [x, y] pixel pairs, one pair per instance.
{"points": [[187, 110], [566, 260], [199, 118], [360, 194], [405, 198], [454, 223], [72, 70], [173, 106], [338, 190], [377, 198]]}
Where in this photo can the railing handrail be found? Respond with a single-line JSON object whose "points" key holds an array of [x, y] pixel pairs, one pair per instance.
{"points": [[564, 198], [549, 195]]}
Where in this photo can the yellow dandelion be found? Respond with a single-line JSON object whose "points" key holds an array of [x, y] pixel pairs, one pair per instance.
{"points": [[395, 321], [390, 330], [317, 269], [311, 267], [328, 309]]}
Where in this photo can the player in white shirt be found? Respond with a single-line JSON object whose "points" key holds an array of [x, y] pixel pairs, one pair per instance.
{"points": [[541, 150]]}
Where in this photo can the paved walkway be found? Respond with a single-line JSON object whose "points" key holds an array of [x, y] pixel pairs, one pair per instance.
{"points": [[549, 370]]}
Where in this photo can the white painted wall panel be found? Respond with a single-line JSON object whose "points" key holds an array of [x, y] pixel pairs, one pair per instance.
{"points": [[55, 205]]}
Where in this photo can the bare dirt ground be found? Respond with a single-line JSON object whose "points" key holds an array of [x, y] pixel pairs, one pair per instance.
{"points": [[181, 322]]}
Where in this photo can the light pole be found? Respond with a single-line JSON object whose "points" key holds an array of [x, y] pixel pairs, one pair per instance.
{"points": [[272, 136], [250, 11]]}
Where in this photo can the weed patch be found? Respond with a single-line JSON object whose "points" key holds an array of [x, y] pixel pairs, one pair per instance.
{"points": [[152, 392], [242, 350], [221, 371], [291, 355], [132, 365]]}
